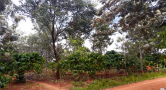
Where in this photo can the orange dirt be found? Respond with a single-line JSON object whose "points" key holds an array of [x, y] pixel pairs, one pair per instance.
{"points": [[154, 84], [40, 82], [37, 85]]}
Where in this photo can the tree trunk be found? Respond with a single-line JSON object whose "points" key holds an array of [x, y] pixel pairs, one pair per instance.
{"points": [[164, 62], [158, 67], [57, 60], [141, 58], [54, 38], [124, 53], [46, 61]]}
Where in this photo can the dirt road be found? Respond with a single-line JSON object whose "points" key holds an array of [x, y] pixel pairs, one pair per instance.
{"points": [[154, 84]]}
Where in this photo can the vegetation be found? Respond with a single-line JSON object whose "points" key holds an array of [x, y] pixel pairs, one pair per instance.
{"points": [[62, 28], [116, 81], [25, 62], [19, 64], [53, 17], [88, 63], [3, 78], [111, 57]]}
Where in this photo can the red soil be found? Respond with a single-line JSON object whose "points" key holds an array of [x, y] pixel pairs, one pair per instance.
{"points": [[154, 84], [40, 82]]}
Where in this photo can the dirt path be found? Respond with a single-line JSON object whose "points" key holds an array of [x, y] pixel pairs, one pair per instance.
{"points": [[154, 84], [49, 86]]}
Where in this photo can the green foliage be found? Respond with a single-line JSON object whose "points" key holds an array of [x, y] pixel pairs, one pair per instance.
{"points": [[151, 60], [114, 60], [5, 64], [80, 26], [5, 55], [52, 66], [52, 13], [23, 62], [3, 79], [161, 37], [77, 84], [132, 64], [101, 38], [117, 81], [76, 45], [79, 63]]}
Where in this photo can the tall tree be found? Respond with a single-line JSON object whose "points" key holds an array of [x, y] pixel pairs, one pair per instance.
{"points": [[55, 17], [101, 37], [80, 24], [6, 32], [137, 17], [133, 13]]}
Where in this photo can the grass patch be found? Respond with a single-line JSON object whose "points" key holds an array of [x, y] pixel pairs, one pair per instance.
{"points": [[77, 84], [117, 81], [28, 84]]}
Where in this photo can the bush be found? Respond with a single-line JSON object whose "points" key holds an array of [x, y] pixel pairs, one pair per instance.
{"points": [[52, 65], [23, 62], [113, 60], [4, 79], [78, 63]]}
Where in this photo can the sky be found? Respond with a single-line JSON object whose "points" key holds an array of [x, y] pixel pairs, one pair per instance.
{"points": [[26, 27]]}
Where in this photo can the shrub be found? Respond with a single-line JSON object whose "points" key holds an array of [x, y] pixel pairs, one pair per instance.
{"points": [[23, 62]]}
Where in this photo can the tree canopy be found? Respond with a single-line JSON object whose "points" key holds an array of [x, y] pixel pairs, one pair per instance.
{"points": [[61, 19]]}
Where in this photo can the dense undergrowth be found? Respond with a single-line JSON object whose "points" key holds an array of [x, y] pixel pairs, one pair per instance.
{"points": [[18, 66]]}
